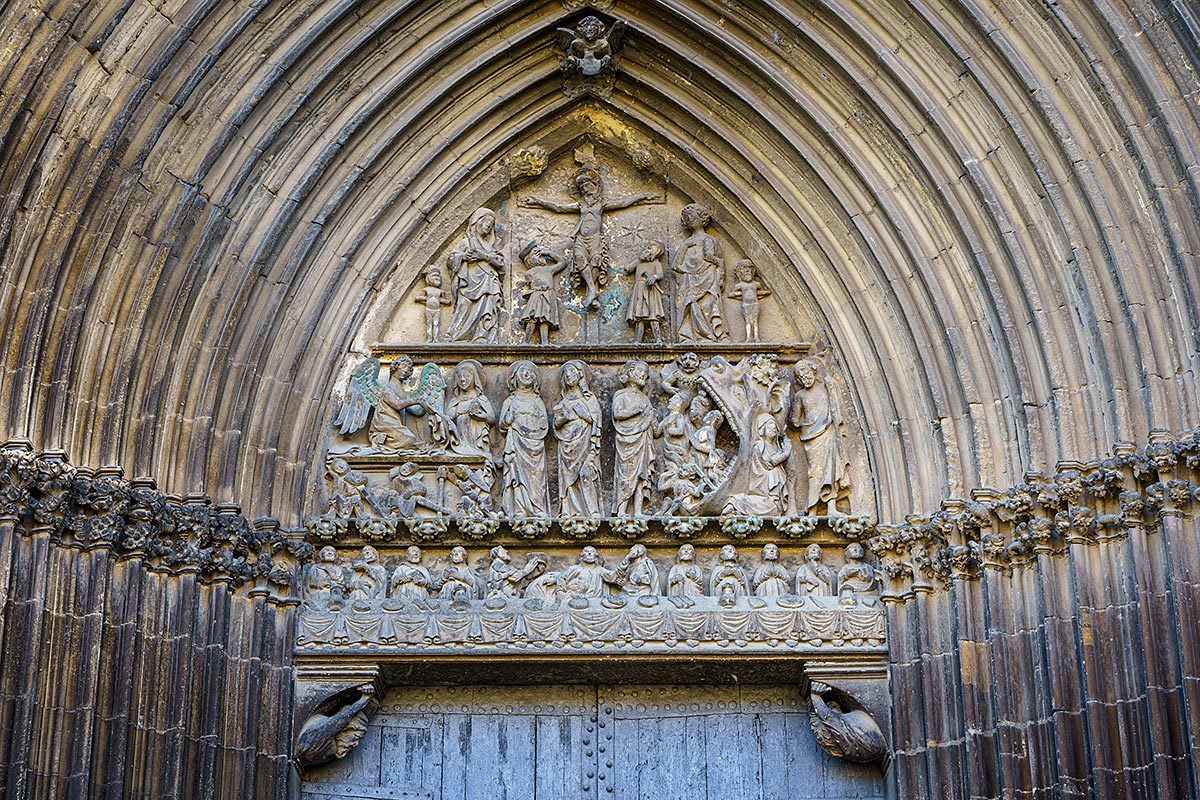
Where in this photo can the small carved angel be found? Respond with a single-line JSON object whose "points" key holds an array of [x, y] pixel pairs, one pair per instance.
{"points": [[404, 418], [589, 50]]}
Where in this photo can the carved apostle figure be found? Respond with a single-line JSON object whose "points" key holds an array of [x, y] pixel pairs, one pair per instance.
{"points": [[458, 581], [577, 428], [686, 578], [814, 578], [589, 247], [324, 580], [816, 416], [767, 486], [524, 423], [856, 577], [369, 580], [410, 580], [728, 580], [476, 264], [469, 410], [640, 572], [588, 577], [646, 308], [633, 418], [770, 579], [505, 580], [700, 270], [541, 313]]}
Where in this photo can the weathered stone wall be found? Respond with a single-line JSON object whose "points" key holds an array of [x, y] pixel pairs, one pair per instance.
{"points": [[146, 640]]}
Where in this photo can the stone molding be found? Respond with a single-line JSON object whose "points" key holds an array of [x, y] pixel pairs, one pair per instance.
{"points": [[42, 494]]}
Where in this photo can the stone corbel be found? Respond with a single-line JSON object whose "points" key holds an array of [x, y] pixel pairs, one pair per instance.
{"points": [[334, 706], [848, 703]]}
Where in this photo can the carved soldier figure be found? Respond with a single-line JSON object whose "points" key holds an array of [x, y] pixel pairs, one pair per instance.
{"points": [[459, 582], [728, 580], [324, 579], [541, 312], [698, 264], [433, 297], [369, 580], [524, 423], [589, 248], [646, 307], [814, 578], [469, 410], [686, 578], [349, 489], [816, 416], [640, 573], [476, 263], [770, 579], [410, 581], [411, 491], [577, 428], [749, 290], [856, 577], [633, 418], [505, 580], [588, 577]]}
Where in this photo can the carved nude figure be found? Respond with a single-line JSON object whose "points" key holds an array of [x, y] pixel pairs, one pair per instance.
{"points": [[749, 290], [814, 578], [646, 307], [524, 423], [410, 581], [505, 580], [433, 297], [728, 580], [686, 578], [856, 577], [458, 580], [476, 264], [589, 248], [682, 376], [700, 270], [771, 579], [577, 428], [633, 418], [469, 410], [541, 312], [816, 416]]}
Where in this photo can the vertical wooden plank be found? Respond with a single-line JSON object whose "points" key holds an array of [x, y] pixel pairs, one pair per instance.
{"points": [[626, 750], [560, 759], [411, 753]]}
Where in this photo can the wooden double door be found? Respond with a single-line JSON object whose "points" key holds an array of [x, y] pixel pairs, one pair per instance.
{"points": [[558, 742]]}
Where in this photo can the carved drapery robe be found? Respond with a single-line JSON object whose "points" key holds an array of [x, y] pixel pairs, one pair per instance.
{"points": [[814, 416], [475, 264], [471, 413], [685, 580], [524, 422], [814, 579], [577, 428], [641, 579], [585, 580], [410, 583], [698, 289], [771, 580], [633, 419]]}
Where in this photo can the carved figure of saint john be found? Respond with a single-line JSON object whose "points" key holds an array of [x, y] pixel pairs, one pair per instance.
{"points": [[577, 428], [633, 419], [475, 266], [524, 423]]}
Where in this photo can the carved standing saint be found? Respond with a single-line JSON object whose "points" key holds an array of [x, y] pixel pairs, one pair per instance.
{"points": [[633, 418], [856, 577], [369, 580], [646, 307], [770, 579], [470, 411], [459, 581], [476, 264], [700, 269], [816, 416], [728, 580], [814, 578], [589, 248], [587, 577], [524, 423], [410, 581], [577, 428], [686, 578]]}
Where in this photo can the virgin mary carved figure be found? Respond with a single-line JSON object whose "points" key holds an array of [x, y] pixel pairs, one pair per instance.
{"points": [[524, 423], [699, 266], [475, 266], [577, 428], [469, 410]]}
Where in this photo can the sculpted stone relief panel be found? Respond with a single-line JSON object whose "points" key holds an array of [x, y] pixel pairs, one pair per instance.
{"points": [[649, 598]]}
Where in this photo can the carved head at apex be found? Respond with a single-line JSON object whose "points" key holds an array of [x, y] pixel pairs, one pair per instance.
{"points": [[590, 28]]}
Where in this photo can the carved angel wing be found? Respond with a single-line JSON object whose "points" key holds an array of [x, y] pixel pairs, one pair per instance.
{"points": [[362, 394], [564, 38], [432, 388], [616, 35]]}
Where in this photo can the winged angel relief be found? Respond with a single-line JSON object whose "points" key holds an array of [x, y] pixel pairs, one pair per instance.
{"points": [[589, 59], [405, 419]]}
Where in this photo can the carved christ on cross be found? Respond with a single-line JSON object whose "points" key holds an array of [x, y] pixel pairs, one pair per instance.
{"points": [[589, 248]]}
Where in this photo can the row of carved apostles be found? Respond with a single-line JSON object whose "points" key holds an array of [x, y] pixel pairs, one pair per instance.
{"points": [[695, 281], [674, 453], [365, 579]]}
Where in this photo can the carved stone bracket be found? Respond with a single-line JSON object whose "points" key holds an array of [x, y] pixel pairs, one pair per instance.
{"points": [[334, 706], [848, 703]]}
